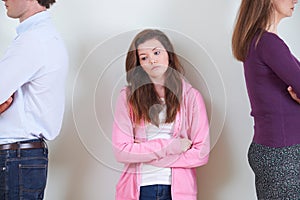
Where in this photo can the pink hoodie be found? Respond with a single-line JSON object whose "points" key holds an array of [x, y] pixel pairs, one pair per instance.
{"points": [[191, 122]]}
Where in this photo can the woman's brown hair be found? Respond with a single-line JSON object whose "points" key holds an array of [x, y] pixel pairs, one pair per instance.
{"points": [[142, 96], [253, 18]]}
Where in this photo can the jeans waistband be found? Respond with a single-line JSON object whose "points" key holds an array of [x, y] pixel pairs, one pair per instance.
{"points": [[27, 144]]}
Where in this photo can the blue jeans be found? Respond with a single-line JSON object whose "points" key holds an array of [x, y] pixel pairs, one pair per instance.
{"points": [[23, 174], [155, 192]]}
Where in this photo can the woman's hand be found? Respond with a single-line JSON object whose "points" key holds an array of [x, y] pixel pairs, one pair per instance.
{"points": [[293, 94]]}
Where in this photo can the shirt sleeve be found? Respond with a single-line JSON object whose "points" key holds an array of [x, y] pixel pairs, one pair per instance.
{"points": [[18, 66], [198, 132], [276, 54], [124, 147]]}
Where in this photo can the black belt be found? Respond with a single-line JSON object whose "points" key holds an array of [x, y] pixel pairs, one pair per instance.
{"points": [[24, 145]]}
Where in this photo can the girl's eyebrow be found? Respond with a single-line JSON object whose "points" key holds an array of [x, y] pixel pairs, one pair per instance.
{"points": [[142, 54], [152, 50]]}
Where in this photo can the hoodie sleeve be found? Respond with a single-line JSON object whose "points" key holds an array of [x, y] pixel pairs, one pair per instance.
{"points": [[124, 147], [198, 132]]}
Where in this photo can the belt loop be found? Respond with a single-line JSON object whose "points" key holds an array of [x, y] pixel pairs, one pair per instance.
{"points": [[18, 150], [8, 154], [45, 146]]}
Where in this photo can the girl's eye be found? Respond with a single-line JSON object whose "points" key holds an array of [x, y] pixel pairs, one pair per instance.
{"points": [[143, 58], [156, 52]]}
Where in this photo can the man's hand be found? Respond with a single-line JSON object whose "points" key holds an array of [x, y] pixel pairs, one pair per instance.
{"points": [[293, 94], [6, 104]]}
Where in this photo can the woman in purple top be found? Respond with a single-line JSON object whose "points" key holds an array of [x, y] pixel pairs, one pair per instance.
{"points": [[272, 77]]}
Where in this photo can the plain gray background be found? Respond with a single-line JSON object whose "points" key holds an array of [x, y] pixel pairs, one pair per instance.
{"points": [[97, 34]]}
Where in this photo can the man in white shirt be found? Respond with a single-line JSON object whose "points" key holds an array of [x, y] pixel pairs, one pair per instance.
{"points": [[33, 72]]}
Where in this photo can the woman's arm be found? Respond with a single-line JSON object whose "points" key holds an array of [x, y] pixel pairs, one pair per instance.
{"points": [[276, 54]]}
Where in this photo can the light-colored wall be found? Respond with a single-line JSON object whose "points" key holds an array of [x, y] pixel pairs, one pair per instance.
{"points": [[97, 35]]}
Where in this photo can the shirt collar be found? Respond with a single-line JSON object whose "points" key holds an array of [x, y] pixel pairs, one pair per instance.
{"points": [[30, 22]]}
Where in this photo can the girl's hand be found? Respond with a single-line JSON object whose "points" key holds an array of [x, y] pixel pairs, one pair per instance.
{"points": [[185, 144]]}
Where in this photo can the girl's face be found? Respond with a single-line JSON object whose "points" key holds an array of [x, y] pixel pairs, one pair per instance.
{"points": [[154, 59], [284, 8]]}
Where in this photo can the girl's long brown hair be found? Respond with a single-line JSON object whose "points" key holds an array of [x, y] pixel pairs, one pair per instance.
{"points": [[142, 96], [253, 18]]}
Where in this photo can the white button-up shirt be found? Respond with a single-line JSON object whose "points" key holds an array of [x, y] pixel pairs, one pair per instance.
{"points": [[34, 69]]}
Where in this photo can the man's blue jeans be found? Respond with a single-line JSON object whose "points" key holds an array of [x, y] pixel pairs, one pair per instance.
{"points": [[155, 192], [23, 174]]}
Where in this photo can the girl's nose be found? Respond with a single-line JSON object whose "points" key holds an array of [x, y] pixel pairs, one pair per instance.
{"points": [[152, 61]]}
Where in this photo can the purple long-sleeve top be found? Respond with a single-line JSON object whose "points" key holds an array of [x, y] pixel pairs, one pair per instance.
{"points": [[269, 69]]}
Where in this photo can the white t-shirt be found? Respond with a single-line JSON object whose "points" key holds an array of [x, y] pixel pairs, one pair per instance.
{"points": [[152, 175]]}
